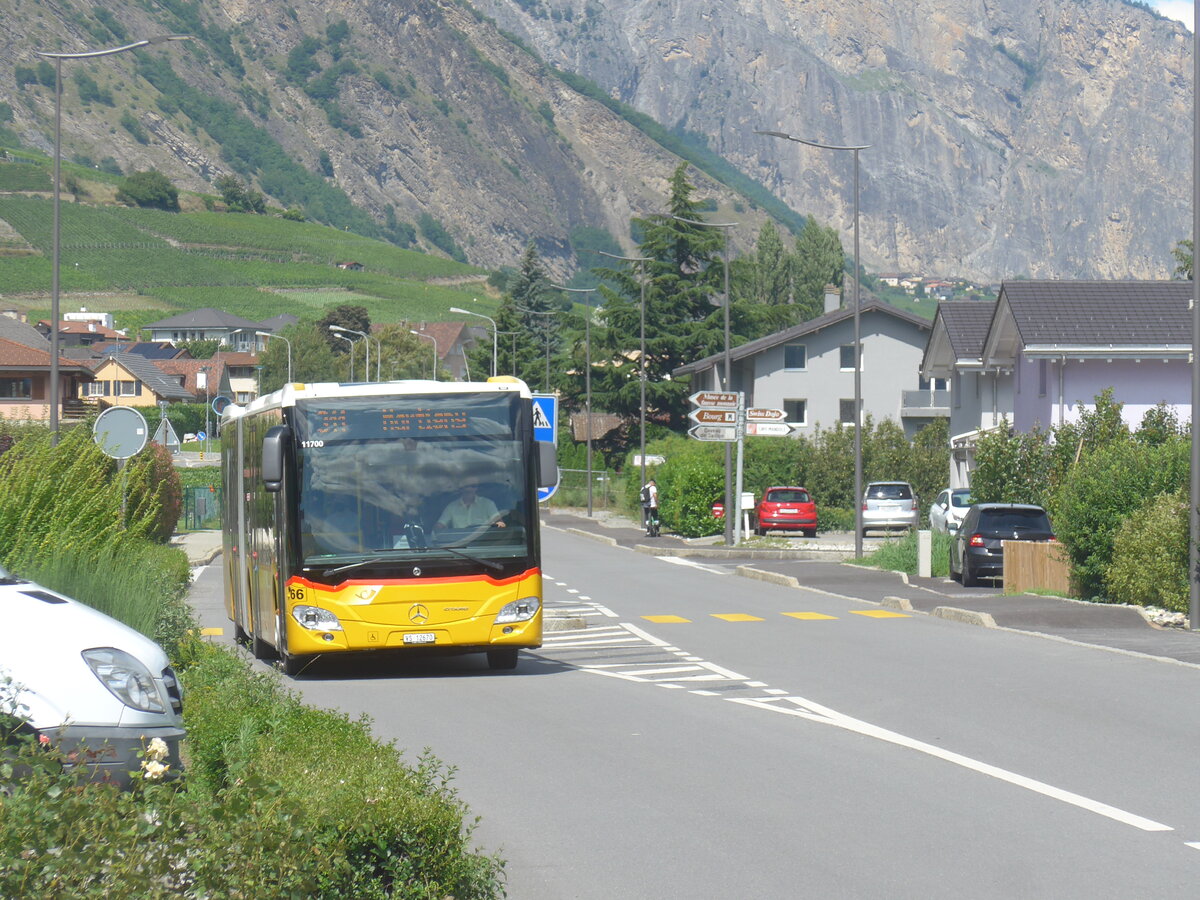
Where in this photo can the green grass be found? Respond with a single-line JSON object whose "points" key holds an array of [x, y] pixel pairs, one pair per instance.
{"points": [[252, 266], [900, 555], [24, 177]]}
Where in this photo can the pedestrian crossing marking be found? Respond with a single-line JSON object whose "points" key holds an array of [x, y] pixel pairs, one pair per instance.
{"points": [[809, 615], [666, 620], [736, 617], [879, 614]]}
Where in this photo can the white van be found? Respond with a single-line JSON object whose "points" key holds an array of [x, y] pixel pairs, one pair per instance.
{"points": [[88, 684]]}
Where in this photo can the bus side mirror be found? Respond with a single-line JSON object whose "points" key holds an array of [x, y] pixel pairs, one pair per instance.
{"points": [[274, 444], [547, 463]]}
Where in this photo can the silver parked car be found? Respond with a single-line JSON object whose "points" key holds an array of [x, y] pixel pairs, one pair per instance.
{"points": [[889, 504], [949, 508]]}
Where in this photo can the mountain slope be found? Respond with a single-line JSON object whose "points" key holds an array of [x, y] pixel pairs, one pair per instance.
{"points": [[1049, 138]]}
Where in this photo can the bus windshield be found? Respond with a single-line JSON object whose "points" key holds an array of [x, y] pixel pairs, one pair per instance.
{"points": [[412, 476]]}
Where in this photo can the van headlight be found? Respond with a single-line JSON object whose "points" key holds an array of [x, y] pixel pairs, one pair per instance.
{"points": [[519, 610], [316, 619], [126, 678]]}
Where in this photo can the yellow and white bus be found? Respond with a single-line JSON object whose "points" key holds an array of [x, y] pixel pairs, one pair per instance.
{"points": [[392, 516]]}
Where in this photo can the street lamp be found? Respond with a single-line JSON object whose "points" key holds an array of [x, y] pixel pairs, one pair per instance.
{"points": [[641, 350], [349, 341], [429, 337], [268, 334], [54, 272], [731, 512], [467, 312], [854, 148], [207, 402], [341, 332], [587, 341]]}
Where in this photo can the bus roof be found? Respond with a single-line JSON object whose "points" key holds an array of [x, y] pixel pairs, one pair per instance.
{"points": [[290, 393]]}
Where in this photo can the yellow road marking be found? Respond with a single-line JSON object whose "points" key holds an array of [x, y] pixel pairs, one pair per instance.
{"points": [[212, 632], [880, 614], [666, 620], [809, 615], [736, 617]]}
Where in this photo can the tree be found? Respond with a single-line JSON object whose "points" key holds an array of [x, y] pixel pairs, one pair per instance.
{"points": [[353, 318], [530, 310], [149, 189], [404, 355], [313, 360], [1183, 252], [762, 285], [683, 316], [237, 197], [818, 260]]}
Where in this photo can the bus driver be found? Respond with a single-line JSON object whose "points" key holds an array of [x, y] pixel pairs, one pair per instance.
{"points": [[469, 510]]}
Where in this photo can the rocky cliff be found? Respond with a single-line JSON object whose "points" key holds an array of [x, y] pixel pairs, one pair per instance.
{"points": [[1048, 138]]}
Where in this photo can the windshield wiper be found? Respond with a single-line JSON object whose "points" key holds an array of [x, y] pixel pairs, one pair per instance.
{"points": [[354, 565]]}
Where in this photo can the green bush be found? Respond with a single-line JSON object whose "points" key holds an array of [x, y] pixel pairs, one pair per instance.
{"points": [[1150, 555], [1106, 487]]}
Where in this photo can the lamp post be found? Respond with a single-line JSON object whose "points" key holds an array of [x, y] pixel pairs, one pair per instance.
{"points": [[349, 341], [858, 475], [731, 512], [429, 337], [467, 312], [340, 331], [1194, 510], [55, 266], [268, 334], [641, 351], [587, 341], [207, 402]]}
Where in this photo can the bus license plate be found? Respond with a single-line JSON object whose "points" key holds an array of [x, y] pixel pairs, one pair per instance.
{"points": [[420, 637]]}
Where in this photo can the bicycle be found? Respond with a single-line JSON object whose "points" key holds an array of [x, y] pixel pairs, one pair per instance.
{"points": [[652, 523]]}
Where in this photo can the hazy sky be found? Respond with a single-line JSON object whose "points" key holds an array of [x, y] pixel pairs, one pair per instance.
{"points": [[1183, 10]]}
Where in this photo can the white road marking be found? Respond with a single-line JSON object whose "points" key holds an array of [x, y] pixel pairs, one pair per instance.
{"points": [[816, 713], [691, 563]]}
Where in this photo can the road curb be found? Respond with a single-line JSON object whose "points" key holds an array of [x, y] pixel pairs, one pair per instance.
{"points": [[966, 616], [602, 538], [901, 603], [769, 577]]}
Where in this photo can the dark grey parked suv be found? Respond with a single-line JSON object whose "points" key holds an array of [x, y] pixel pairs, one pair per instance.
{"points": [[977, 550]]}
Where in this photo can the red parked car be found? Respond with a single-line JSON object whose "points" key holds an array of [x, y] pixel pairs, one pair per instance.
{"points": [[786, 509]]}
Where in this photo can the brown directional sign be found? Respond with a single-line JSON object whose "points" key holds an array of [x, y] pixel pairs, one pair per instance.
{"points": [[759, 414], [715, 399], [714, 416]]}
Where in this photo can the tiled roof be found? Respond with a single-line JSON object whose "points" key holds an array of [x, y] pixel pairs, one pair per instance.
{"points": [[810, 327], [1100, 313], [15, 355], [278, 323], [189, 368], [447, 334], [966, 323], [23, 333], [204, 318], [152, 376]]}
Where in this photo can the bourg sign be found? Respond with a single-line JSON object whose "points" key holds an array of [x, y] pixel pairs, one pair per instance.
{"points": [[713, 416]]}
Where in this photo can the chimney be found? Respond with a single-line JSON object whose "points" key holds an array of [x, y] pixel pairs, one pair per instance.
{"points": [[833, 298]]}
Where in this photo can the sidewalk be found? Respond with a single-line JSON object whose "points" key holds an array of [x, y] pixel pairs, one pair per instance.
{"points": [[201, 547], [819, 565]]}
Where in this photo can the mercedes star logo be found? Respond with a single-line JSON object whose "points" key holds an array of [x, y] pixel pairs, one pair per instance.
{"points": [[418, 613]]}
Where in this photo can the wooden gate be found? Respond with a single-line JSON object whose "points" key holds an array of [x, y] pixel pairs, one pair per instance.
{"points": [[1036, 566]]}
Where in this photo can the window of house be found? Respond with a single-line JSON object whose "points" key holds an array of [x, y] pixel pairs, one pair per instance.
{"points": [[796, 411], [127, 389], [1042, 378], [16, 388], [94, 389], [847, 357], [795, 356], [846, 411]]}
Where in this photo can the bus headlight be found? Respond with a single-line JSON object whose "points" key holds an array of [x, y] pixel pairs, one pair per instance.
{"points": [[316, 619], [519, 610]]}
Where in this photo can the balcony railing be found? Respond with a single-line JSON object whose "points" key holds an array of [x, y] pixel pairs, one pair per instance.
{"points": [[922, 404]]}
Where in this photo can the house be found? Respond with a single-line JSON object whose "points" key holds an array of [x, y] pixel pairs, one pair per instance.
{"points": [[203, 379], [1040, 353], [79, 334], [127, 379], [453, 339], [25, 382], [808, 370], [209, 325], [351, 266]]}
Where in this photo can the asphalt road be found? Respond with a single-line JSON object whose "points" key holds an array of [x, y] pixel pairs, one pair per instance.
{"points": [[711, 736]]}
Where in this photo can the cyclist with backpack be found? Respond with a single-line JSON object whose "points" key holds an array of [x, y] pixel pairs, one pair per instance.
{"points": [[649, 499]]}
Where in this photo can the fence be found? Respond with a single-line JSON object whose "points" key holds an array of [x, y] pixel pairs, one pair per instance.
{"points": [[572, 488], [1036, 566], [201, 508]]}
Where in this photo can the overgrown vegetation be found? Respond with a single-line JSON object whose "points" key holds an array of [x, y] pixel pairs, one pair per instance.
{"points": [[1103, 486], [260, 812]]}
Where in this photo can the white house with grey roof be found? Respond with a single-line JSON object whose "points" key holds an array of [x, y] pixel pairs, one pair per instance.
{"points": [[808, 370], [1041, 353], [210, 325]]}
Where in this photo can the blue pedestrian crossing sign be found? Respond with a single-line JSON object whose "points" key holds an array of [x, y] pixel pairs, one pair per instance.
{"points": [[545, 418], [545, 429]]}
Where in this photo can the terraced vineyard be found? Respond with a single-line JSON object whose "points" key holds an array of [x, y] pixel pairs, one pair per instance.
{"points": [[248, 265]]}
